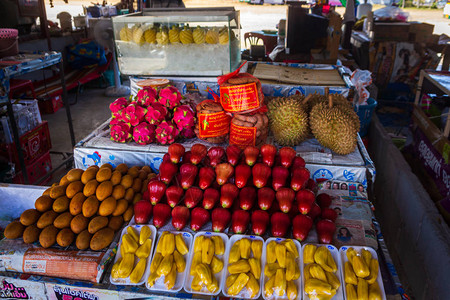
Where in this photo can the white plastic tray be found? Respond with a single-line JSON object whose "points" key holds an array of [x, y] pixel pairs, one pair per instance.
{"points": [[337, 258], [219, 276], [159, 283], [244, 294], [343, 253], [298, 282], [126, 281]]}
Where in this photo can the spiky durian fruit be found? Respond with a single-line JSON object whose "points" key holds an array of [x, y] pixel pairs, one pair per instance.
{"points": [[199, 35], [174, 35], [186, 35], [138, 35], [150, 35], [318, 98], [335, 126], [126, 34], [212, 36], [162, 37], [288, 120], [223, 36]]}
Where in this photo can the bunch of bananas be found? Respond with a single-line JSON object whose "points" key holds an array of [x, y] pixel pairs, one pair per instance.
{"points": [[281, 269], [360, 275], [244, 267], [169, 259], [133, 245], [321, 282], [205, 263]]}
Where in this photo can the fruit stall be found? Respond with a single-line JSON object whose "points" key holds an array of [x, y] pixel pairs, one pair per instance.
{"points": [[232, 186]]}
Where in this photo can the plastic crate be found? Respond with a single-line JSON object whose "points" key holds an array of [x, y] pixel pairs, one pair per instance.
{"points": [[36, 171], [27, 118], [364, 113]]}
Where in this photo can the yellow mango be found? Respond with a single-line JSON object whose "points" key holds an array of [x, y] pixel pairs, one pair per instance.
{"points": [[290, 266], [204, 273], [241, 266], [290, 247], [181, 245], [235, 253], [350, 253], [179, 261], [367, 256], [156, 262], [144, 250], [255, 267], [239, 284], [126, 265], [138, 271], [133, 233], [216, 265], [245, 248], [198, 243], [207, 251], [129, 244], [219, 246], [144, 234], [333, 280], [165, 266], [308, 254], [349, 274], [168, 244], [360, 267], [257, 249], [280, 252], [160, 246], [271, 256], [321, 258], [317, 272], [231, 279]]}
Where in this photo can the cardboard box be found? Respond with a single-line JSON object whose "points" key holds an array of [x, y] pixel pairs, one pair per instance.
{"points": [[34, 144], [36, 170], [420, 32]]}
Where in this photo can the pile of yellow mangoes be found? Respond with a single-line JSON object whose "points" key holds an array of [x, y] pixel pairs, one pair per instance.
{"points": [[360, 275], [321, 281], [281, 269], [206, 263], [86, 207], [134, 246], [169, 259], [244, 267]]}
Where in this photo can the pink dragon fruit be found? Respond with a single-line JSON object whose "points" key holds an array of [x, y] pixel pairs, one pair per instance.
{"points": [[170, 97], [118, 106], [183, 117], [156, 113], [144, 133], [166, 133], [121, 132], [146, 96], [134, 114], [188, 133]]}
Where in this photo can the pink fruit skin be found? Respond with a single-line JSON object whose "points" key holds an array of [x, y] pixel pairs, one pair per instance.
{"points": [[315, 211], [261, 174], [324, 200], [285, 197], [156, 113], [287, 155], [268, 153], [118, 106], [199, 217], [198, 152], [161, 214], [247, 198], [120, 132], [173, 195], [279, 177], [144, 133], [166, 133], [265, 198], [325, 230], [233, 154], [297, 163], [301, 225], [216, 155], [142, 212], [134, 114], [146, 96], [210, 198], [305, 199], [239, 221], [183, 117], [280, 224], [180, 216], [251, 155], [156, 190], [167, 171], [260, 222], [220, 217], [187, 133], [170, 97], [192, 197], [188, 175], [329, 214], [228, 193], [206, 177], [299, 178], [223, 172], [176, 152], [243, 173]]}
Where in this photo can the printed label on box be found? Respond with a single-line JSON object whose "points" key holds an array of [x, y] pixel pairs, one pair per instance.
{"points": [[238, 98], [34, 266], [242, 136], [212, 125]]}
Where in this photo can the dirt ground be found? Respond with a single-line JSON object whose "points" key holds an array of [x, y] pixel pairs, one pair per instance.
{"points": [[257, 17]]}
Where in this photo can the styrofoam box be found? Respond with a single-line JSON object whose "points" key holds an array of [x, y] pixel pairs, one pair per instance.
{"points": [[126, 281], [219, 276], [337, 258], [159, 283], [244, 293], [298, 282], [344, 259]]}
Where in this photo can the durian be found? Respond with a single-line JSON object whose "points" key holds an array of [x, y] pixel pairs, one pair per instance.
{"points": [[335, 126], [288, 120], [318, 98], [199, 35], [125, 34], [162, 37], [150, 35], [138, 35], [223, 36], [174, 35], [212, 36], [186, 36]]}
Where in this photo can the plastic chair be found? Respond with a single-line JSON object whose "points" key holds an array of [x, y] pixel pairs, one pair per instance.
{"points": [[253, 39], [17, 85]]}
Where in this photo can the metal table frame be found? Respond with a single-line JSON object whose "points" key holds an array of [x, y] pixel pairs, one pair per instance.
{"points": [[45, 60]]}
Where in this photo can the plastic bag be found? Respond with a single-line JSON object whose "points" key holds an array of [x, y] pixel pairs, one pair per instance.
{"points": [[361, 79], [390, 13]]}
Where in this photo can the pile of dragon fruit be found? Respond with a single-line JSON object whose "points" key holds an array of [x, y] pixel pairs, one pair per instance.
{"points": [[152, 116]]}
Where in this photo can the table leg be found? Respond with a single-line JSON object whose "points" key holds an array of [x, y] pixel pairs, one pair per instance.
{"points": [[66, 103]]}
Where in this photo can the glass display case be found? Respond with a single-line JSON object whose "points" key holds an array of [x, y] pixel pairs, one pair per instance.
{"points": [[184, 42]]}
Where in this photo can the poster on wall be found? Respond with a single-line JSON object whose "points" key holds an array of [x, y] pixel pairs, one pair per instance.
{"points": [[66, 292], [11, 288]]}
